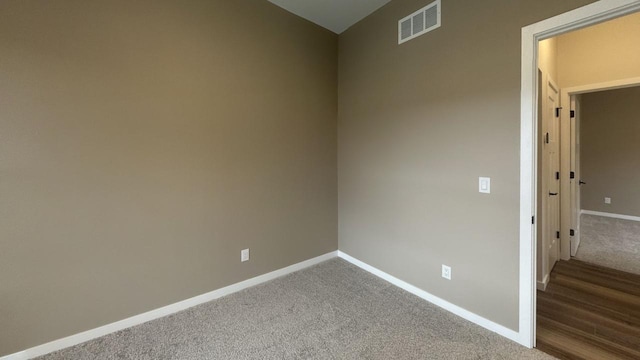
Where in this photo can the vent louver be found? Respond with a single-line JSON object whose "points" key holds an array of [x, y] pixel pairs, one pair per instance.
{"points": [[420, 22]]}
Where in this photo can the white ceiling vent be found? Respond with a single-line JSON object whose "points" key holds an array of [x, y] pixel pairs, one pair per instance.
{"points": [[420, 22]]}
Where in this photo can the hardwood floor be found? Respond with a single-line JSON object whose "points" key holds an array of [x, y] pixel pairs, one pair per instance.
{"points": [[589, 312]]}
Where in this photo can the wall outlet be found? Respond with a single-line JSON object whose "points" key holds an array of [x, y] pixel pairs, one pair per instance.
{"points": [[607, 200], [244, 255], [446, 272]]}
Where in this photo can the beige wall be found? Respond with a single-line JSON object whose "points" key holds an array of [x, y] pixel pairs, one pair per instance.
{"points": [[418, 124], [610, 151], [548, 57], [144, 144], [600, 53]]}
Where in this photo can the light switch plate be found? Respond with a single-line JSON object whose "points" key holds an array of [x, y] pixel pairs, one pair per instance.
{"points": [[446, 272], [244, 255], [484, 185]]}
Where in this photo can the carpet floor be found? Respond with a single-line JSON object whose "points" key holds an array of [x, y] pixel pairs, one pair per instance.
{"points": [[333, 310], [609, 242]]}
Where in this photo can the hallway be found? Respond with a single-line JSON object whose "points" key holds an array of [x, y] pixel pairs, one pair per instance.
{"points": [[589, 312]]}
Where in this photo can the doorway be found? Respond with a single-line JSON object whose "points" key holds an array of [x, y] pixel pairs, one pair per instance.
{"points": [[565, 61], [531, 35], [564, 290], [609, 138], [591, 306]]}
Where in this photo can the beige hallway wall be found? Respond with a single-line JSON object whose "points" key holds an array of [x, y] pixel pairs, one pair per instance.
{"points": [[548, 57], [143, 144], [610, 149], [600, 53], [418, 124]]}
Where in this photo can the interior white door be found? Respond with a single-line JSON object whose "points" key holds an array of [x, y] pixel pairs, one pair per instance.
{"points": [[575, 181], [551, 176]]}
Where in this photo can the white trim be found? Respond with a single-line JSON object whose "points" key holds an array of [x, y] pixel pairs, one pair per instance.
{"points": [[542, 285], [528, 174], [607, 85], [587, 15], [463, 313], [609, 215], [163, 311]]}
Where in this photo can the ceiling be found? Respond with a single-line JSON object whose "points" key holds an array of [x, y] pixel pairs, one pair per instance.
{"points": [[335, 15]]}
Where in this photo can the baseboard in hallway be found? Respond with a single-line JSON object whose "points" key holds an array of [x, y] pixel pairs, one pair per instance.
{"points": [[589, 312], [610, 215]]}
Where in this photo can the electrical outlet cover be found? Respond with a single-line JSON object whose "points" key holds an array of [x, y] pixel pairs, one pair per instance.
{"points": [[244, 255]]}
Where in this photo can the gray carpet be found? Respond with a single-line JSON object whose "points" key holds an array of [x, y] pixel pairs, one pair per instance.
{"points": [[333, 310], [609, 242]]}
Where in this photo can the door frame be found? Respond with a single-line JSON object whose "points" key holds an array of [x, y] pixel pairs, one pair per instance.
{"points": [[565, 155], [591, 14]]}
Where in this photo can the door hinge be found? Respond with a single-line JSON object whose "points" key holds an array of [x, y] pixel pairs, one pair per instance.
{"points": [[572, 174], [533, 220], [557, 175], [546, 138], [558, 111], [557, 234], [573, 114], [572, 232]]}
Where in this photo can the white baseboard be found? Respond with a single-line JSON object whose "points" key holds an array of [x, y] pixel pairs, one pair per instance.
{"points": [[463, 313], [161, 312], [185, 304], [610, 215], [542, 285], [575, 243]]}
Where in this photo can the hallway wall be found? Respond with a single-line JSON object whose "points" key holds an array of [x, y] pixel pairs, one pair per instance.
{"points": [[610, 143], [600, 53]]}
